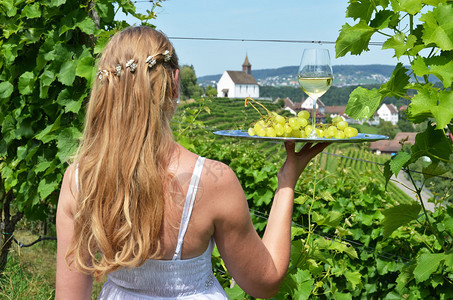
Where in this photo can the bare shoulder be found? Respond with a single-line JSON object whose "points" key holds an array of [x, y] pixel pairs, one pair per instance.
{"points": [[68, 192], [218, 174]]}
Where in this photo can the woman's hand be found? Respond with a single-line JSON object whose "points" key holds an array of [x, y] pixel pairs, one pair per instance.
{"points": [[297, 161]]}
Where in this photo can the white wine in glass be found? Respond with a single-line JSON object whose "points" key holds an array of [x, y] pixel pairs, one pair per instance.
{"points": [[315, 77]]}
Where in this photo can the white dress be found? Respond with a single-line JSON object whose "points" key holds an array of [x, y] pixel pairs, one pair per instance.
{"points": [[169, 279]]}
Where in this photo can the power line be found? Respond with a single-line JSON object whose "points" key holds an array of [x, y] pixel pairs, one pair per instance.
{"points": [[262, 40]]}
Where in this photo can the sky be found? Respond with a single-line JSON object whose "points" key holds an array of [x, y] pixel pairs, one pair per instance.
{"points": [[304, 20]]}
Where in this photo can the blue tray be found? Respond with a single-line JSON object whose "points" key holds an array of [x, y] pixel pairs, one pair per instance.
{"points": [[360, 138]]}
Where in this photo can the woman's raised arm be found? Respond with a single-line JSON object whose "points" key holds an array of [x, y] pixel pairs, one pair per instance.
{"points": [[259, 265]]}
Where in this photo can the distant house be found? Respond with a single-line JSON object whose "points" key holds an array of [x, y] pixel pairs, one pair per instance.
{"points": [[238, 84], [389, 113], [335, 110], [289, 105], [393, 146], [307, 104]]}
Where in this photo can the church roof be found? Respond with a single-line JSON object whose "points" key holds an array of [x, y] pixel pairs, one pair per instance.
{"points": [[241, 77], [246, 61]]}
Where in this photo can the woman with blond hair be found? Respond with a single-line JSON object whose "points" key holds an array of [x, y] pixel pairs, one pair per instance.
{"points": [[144, 211]]}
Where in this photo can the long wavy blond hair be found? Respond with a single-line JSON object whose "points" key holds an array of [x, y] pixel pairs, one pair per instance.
{"points": [[124, 154]]}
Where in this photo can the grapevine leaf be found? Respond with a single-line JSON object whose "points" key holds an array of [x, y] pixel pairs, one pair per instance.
{"points": [[396, 86], [354, 278], [387, 173], [411, 6], [26, 83], [304, 282], [382, 19], [434, 2], [434, 169], [343, 296], [397, 216], [105, 10], [363, 103], [46, 187], [429, 102], [6, 89], [399, 43], [398, 161], [332, 219], [432, 143], [353, 39], [44, 135], [439, 66], [67, 72], [360, 9], [427, 263], [67, 143], [235, 292], [55, 3], [31, 11], [86, 25], [85, 68], [8, 127], [66, 99], [438, 26]]}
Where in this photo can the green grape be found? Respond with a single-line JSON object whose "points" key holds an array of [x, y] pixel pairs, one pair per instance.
{"points": [[288, 128], [319, 132], [251, 131], [337, 119], [342, 125], [308, 130], [339, 135], [331, 131], [294, 123], [304, 115], [270, 132], [296, 133], [279, 129], [279, 119], [259, 130], [348, 132], [303, 122]]}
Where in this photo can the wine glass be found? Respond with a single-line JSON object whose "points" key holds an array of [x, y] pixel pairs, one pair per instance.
{"points": [[315, 77]]}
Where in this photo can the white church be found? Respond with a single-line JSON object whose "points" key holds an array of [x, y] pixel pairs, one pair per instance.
{"points": [[238, 84]]}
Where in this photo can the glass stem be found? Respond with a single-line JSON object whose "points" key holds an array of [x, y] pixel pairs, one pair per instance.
{"points": [[313, 118]]}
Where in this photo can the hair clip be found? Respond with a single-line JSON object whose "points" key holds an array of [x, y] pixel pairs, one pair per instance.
{"points": [[118, 70], [130, 64], [102, 73], [150, 61], [167, 55]]}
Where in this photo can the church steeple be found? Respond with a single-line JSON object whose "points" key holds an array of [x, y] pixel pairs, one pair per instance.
{"points": [[246, 66]]}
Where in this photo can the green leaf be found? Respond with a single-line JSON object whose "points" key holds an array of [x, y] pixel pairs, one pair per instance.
{"points": [[45, 135], [432, 143], [430, 102], [67, 143], [360, 9], [397, 84], [86, 25], [397, 216], [67, 72], [363, 103], [382, 19], [304, 282], [354, 278], [427, 264], [26, 83], [235, 292], [411, 6], [353, 39], [6, 89], [31, 11], [105, 11], [333, 219], [434, 169], [55, 3], [343, 296], [65, 99], [46, 187], [398, 161], [8, 127], [438, 26], [85, 68], [399, 43], [440, 66]]}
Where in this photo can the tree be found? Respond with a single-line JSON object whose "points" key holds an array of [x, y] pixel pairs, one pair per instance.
{"points": [[211, 91], [386, 128], [188, 82], [48, 53]]}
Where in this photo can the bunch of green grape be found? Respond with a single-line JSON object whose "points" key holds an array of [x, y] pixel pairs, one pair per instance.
{"points": [[275, 125]]}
